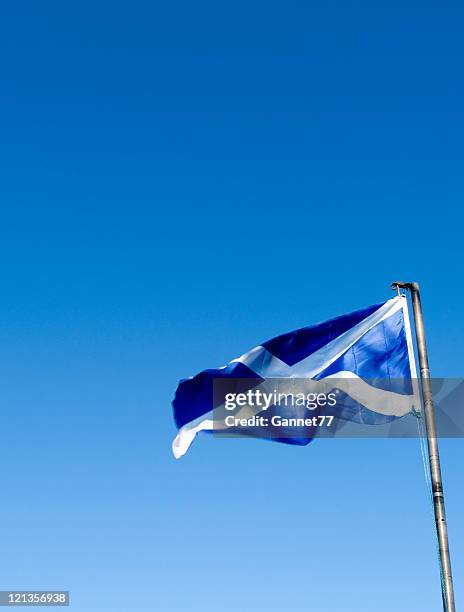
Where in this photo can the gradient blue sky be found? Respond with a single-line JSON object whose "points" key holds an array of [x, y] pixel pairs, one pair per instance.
{"points": [[179, 182]]}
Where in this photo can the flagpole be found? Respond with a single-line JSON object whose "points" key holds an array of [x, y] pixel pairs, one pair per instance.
{"points": [[432, 445]]}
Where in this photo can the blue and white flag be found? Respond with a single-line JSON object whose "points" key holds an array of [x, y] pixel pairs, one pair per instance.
{"points": [[369, 346]]}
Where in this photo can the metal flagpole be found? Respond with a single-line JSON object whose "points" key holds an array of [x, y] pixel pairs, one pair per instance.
{"points": [[432, 444]]}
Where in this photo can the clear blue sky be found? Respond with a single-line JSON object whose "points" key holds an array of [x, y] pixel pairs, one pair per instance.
{"points": [[180, 182]]}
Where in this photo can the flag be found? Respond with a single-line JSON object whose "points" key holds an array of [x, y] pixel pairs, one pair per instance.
{"points": [[367, 355]]}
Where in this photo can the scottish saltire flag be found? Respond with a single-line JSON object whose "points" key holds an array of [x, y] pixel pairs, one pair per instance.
{"points": [[372, 347]]}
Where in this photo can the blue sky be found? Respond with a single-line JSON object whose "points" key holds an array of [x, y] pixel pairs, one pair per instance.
{"points": [[180, 182]]}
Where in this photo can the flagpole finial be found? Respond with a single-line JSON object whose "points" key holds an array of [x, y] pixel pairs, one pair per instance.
{"points": [[398, 285], [412, 287]]}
